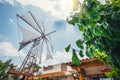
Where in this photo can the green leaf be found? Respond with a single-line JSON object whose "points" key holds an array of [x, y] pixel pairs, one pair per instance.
{"points": [[81, 27], [79, 44], [100, 58], [91, 52], [99, 32], [108, 10], [116, 15], [105, 25], [116, 3], [67, 48], [81, 53], [75, 59], [87, 53]]}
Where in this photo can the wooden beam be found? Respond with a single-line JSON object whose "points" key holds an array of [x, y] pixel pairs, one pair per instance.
{"points": [[92, 64], [19, 73], [88, 65], [81, 74], [55, 74]]}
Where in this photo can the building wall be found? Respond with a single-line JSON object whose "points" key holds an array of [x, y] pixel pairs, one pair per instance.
{"points": [[61, 78], [56, 68], [63, 67], [59, 68]]}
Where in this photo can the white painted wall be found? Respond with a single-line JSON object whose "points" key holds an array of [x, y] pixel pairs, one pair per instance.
{"points": [[56, 68], [69, 68]]}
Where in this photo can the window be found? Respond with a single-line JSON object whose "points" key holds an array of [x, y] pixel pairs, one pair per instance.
{"points": [[47, 68]]}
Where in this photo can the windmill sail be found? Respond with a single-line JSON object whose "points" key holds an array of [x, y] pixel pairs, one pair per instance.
{"points": [[41, 50], [30, 21], [48, 55], [28, 36], [22, 45], [37, 23], [36, 49]]}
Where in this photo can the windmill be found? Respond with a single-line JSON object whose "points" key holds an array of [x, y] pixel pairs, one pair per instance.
{"points": [[38, 41]]}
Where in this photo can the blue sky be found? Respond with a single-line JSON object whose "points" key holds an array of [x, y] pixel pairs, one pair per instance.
{"points": [[51, 12]]}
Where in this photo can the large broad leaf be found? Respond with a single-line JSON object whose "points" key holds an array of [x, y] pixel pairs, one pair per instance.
{"points": [[74, 19], [87, 53], [84, 22], [81, 27], [75, 59], [91, 52], [67, 48], [81, 53], [79, 44]]}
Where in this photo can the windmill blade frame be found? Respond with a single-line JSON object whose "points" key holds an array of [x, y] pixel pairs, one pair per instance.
{"points": [[41, 50], [32, 23], [36, 21], [48, 55]]}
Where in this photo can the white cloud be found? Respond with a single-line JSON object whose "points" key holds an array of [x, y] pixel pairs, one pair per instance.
{"points": [[58, 8], [11, 21], [59, 57], [7, 49], [12, 2]]}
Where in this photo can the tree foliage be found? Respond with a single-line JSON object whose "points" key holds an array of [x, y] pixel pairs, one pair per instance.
{"points": [[100, 24], [4, 67]]}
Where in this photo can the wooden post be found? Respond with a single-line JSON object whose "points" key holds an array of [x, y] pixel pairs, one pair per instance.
{"points": [[80, 77]]}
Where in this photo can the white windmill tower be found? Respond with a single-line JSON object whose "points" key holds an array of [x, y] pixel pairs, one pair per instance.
{"points": [[37, 40]]}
